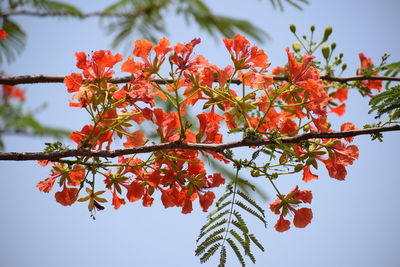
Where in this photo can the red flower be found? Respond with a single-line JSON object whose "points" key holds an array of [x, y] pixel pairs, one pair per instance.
{"points": [[135, 139], [209, 125], [3, 34], [367, 63], [67, 196], [301, 71], [116, 201], [46, 185], [242, 55], [10, 91], [76, 175], [307, 175], [286, 204], [348, 126], [99, 66], [73, 82], [80, 137]]}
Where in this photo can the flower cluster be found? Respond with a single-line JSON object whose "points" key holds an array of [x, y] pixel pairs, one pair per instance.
{"points": [[264, 107]]}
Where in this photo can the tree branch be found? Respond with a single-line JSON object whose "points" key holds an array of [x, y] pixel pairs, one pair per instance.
{"points": [[29, 79], [82, 15], [54, 156]]}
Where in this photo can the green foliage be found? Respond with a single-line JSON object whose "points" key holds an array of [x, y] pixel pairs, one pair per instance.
{"points": [[227, 228], [13, 120], [294, 3], [387, 102], [125, 18], [14, 43], [392, 70]]}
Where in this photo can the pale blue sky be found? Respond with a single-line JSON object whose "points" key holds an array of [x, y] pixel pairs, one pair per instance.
{"points": [[355, 222]]}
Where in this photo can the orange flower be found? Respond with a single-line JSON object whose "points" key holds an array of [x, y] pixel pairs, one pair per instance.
{"points": [[99, 66], [46, 185], [135, 191], [67, 196], [209, 125], [366, 63], [135, 139], [206, 200], [73, 82], [3, 34], [301, 71], [307, 175], [116, 201], [286, 204], [302, 217], [10, 91], [282, 225], [76, 175], [339, 110], [242, 55], [80, 137], [348, 126]]}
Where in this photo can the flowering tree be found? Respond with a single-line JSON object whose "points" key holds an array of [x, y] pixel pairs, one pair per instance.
{"points": [[280, 115]]}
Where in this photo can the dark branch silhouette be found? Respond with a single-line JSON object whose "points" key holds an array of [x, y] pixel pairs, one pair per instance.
{"points": [[54, 156], [29, 79]]}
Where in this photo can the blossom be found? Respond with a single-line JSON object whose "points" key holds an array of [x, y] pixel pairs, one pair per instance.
{"points": [[10, 91], [3, 34], [242, 55], [366, 63], [100, 64], [67, 196], [301, 71], [135, 139], [101, 137], [288, 204]]}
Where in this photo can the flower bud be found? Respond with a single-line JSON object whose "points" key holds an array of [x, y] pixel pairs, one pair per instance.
{"points": [[292, 28], [344, 66], [325, 51], [333, 46], [296, 47], [312, 28], [327, 33]]}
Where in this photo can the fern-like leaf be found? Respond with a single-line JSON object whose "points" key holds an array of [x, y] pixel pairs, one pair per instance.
{"points": [[236, 250], [251, 211], [387, 102], [206, 256], [222, 257]]}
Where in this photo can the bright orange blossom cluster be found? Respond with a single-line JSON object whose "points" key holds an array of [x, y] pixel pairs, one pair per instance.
{"points": [[265, 106]]}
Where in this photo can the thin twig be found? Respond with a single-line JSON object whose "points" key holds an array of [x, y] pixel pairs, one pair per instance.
{"points": [[54, 156], [29, 79]]}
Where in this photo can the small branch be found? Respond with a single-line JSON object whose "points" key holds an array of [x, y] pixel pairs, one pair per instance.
{"points": [[29, 79], [135, 13], [54, 156]]}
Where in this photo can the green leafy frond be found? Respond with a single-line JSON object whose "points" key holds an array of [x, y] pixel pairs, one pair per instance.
{"points": [[392, 70], [227, 225], [387, 102], [143, 17], [211, 251], [212, 227], [219, 208], [294, 3], [14, 43], [251, 202], [236, 250], [55, 6], [206, 243], [256, 242], [214, 219], [222, 257], [251, 211], [215, 25]]}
